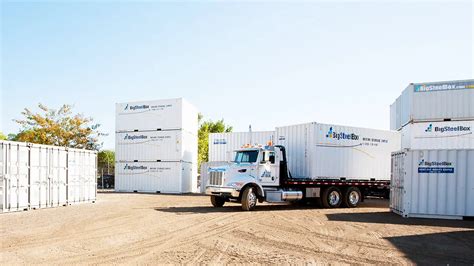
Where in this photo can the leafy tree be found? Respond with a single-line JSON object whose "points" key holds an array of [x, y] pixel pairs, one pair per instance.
{"points": [[58, 127], [2, 137], [205, 128], [106, 161]]}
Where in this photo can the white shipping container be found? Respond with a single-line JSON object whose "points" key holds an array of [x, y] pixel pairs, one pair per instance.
{"points": [[14, 164], [156, 115], [40, 176], [223, 145], [48, 176], [433, 183], [436, 101], [155, 177], [323, 151], [170, 145], [82, 165], [438, 135]]}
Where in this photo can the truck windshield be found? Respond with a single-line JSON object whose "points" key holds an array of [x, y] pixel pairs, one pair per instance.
{"points": [[246, 156]]}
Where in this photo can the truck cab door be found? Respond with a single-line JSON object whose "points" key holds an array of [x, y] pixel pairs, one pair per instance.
{"points": [[269, 169]]}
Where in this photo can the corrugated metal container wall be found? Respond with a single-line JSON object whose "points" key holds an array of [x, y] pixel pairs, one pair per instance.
{"points": [[436, 101], [175, 145], [162, 177], [15, 176], [331, 152], [433, 183], [2, 176], [40, 177], [82, 176], [152, 115], [222, 145], [438, 135], [36, 176]]}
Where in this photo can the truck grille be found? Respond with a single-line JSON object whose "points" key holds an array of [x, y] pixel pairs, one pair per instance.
{"points": [[215, 178]]}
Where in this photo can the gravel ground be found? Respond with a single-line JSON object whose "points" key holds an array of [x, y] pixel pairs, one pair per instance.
{"points": [[146, 228]]}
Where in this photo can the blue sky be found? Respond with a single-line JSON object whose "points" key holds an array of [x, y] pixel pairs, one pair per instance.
{"points": [[265, 64]]}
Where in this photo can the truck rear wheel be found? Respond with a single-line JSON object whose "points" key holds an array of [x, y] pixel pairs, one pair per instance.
{"points": [[249, 199], [352, 197], [332, 197], [217, 201]]}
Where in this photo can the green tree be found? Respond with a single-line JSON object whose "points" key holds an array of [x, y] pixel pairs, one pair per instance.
{"points": [[2, 137], [106, 162], [205, 128], [58, 127]]}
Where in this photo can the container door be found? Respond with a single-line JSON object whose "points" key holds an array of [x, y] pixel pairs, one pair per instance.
{"points": [[62, 176], [35, 178], [397, 190], [2, 177]]}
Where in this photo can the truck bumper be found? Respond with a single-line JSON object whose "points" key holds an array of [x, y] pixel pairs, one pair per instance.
{"points": [[222, 191]]}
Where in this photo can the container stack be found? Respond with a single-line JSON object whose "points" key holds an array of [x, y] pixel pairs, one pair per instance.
{"points": [[34, 176], [436, 121], [156, 147]]}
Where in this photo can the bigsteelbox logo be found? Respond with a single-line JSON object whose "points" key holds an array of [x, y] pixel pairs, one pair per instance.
{"points": [[136, 107], [134, 137], [435, 167], [341, 135], [447, 128], [434, 163], [443, 87], [220, 141], [134, 167]]}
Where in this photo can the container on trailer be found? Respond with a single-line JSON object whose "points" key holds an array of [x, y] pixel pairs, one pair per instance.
{"points": [[155, 177], [166, 114], [223, 145], [324, 151], [433, 102], [438, 135], [433, 183], [172, 145]]}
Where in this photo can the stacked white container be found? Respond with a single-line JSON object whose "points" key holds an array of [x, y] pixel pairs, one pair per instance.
{"points": [[156, 146], [434, 119]]}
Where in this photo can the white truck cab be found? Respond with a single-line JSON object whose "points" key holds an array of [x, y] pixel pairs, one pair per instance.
{"points": [[254, 175]]}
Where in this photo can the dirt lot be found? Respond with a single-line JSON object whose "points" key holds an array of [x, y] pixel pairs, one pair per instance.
{"points": [[141, 228]]}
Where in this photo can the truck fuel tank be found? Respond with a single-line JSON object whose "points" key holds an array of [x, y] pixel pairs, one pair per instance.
{"points": [[282, 195]]}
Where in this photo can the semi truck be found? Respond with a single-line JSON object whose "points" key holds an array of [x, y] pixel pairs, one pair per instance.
{"points": [[261, 173], [335, 166]]}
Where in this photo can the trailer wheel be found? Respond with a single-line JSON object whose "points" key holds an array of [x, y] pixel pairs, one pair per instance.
{"points": [[249, 199], [352, 197], [217, 201], [332, 197]]}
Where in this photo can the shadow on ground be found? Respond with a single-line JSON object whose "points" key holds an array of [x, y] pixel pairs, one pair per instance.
{"points": [[451, 248], [392, 218], [235, 207]]}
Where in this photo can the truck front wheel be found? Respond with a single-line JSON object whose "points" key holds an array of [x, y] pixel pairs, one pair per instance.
{"points": [[249, 199], [332, 197], [352, 197], [217, 201]]}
